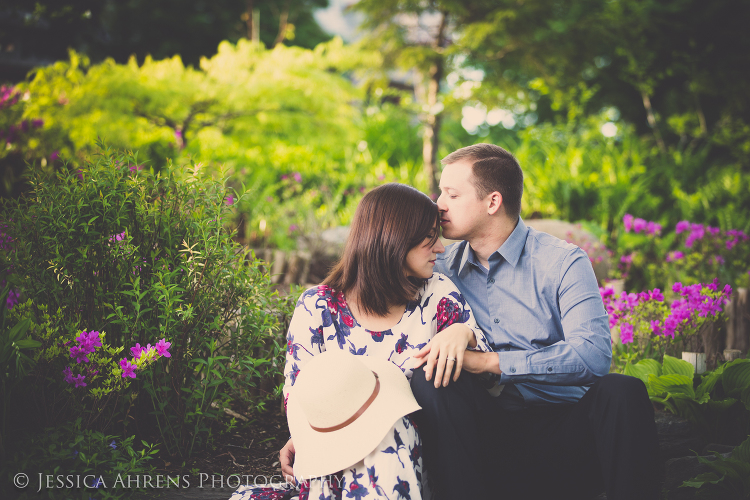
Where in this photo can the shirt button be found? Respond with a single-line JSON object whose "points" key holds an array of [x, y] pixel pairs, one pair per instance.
{"points": [[549, 368], [497, 320], [491, 280], [513, 369]]}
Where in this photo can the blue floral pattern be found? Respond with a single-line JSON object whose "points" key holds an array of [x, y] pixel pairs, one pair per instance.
{"points": [[323, 321]]}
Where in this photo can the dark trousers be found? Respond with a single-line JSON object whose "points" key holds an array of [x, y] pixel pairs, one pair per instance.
{"points": [[475, 448]]}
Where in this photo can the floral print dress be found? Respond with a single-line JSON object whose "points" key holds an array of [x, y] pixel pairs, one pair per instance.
{"points": [[322, 321]]}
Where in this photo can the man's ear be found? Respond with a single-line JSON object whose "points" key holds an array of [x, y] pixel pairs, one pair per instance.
{"points": [[495, 200]]}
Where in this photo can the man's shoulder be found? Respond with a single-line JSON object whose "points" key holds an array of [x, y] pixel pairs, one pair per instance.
{"points": [[547, 246]]}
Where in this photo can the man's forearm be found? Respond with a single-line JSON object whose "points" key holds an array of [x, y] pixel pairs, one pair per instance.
{"points": [[481, 362]]}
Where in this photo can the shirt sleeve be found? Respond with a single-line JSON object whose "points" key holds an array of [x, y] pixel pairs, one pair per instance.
{"points": [[452, 307], [304, 338], [585, 353]]}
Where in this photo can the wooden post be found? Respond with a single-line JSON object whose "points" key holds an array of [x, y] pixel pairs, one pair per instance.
{"points": [[738, 322]]}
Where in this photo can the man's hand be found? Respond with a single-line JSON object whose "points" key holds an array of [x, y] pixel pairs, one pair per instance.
{"points": [[481, 362], [445, 352], [286, 459]]}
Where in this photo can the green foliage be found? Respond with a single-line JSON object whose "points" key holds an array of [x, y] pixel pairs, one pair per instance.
{"points": [[729, 474], [709, 403], [143, 256], [71, 451]]}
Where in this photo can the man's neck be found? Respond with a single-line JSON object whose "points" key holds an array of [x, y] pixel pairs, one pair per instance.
{"points": [[486, 243]]}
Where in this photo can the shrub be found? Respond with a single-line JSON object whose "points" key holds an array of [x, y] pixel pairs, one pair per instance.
{"points": [[114, 247]]}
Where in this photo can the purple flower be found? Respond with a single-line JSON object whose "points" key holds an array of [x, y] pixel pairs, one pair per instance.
{"points": [[68, 375], [639, 225], [113, 445], [627, 259], [718, 259], [653, 228], [627, 221], [297, 176], [682, 226], [229, 200], [37, 123], [293, 228], [54, 156], [675, 256], [128, 368], [78, 380], [12, 299], [656, 327], [162, 348], [626, 333], [137, 351]]}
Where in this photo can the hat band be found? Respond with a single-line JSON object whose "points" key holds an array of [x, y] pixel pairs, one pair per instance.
{"points": [[357, 414]]}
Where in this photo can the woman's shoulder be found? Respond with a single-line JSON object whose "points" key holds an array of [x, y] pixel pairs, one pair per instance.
{"points": [[439, 283]]}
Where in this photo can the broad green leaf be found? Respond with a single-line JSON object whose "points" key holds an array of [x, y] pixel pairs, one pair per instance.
{"points": [[736, 379], [642, 369], [742, 452], [677, 366]]}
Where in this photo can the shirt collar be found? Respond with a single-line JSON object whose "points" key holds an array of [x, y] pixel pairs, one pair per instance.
{"points": [[513, 247], [510, 250]]}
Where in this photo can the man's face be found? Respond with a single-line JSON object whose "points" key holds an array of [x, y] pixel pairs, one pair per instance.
{"points": [[462, 213]]}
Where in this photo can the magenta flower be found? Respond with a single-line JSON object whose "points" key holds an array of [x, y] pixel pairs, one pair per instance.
{"points": [[229, 200], [162, 348], [297, 177], [626, 333], [682, 226], [68, 375], [137, 351], [627, 221], [675, 256], [78, 380], [656, 327], [128, 368], [639, 225], [54, 156]]}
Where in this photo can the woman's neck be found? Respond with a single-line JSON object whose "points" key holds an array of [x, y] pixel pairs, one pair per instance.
{"points": [[373, 322]]}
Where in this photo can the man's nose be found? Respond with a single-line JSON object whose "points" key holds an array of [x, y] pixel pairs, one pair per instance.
{"points": [[439, 202]]}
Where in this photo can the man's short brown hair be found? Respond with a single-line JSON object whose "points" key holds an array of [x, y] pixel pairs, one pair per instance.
{"points": [[494, 169]]}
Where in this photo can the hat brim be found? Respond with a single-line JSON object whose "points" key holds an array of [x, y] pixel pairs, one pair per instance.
{"points": [[322, 453]]}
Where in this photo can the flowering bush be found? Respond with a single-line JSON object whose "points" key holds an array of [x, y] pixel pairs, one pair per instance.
{"points": [[644, 325], [143, 256]]}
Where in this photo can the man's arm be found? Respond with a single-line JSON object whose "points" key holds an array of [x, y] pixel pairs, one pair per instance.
{"points": [[585, 353]]}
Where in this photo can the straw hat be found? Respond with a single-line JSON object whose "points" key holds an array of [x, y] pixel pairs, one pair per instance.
{"points": [[341, 407]]}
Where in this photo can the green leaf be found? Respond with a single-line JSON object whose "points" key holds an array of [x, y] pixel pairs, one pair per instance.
{"points": [[701, 479], [742, 452], [736, 379], [643, 368], [677, 366]]}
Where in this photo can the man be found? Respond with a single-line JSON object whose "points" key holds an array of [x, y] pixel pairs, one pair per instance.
{"points": [[540, 417]]}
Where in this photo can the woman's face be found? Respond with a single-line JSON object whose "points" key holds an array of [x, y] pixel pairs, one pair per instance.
{"points": [[421, 259]]}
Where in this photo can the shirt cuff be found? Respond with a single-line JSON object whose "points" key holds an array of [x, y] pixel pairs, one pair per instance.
{"points": [[512, 363]]}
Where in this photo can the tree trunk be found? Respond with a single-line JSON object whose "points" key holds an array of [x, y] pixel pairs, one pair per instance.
{"points": [[738, 322], [651, 117], [248, 17], [283, 22], [432, 117]]}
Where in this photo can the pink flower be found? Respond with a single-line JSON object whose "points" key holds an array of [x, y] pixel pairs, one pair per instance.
{"points": [[682, 226], [229, 200], [626, 333], [128, 368], [162, 348], [639, 225], [656, 327], [297, 176], [137, 351], [675, 256], [627, 221], [54, 156], [78, 380]]}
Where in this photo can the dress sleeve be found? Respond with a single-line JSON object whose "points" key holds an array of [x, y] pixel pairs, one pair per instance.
{"points": [[453, 308], [304, 339]]}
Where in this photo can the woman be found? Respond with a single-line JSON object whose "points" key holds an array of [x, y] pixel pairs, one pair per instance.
{"points": [[382, 299]]}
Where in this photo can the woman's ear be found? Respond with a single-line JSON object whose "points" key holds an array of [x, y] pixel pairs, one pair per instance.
{"points": [[495, 201]]}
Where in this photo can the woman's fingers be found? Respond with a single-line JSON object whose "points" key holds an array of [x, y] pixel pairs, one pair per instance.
{"points": [[459, 365]]}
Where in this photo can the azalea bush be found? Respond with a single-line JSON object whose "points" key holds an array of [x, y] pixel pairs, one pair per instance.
{"points": [[645, 325], [648, 256], [112, 256]]}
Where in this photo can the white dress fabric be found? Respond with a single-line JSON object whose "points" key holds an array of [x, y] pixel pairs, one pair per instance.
{"points": [[322, 321]]}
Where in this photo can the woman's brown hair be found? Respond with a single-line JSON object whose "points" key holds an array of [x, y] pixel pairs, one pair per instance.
{"points": [[389, 221]]}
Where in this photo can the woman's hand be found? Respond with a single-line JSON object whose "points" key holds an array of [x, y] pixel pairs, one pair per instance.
{"points": [[445, 353], [286, 459]]}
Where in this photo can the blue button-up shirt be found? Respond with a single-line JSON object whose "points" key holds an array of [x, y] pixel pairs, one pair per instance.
{"points": [[540, 308]]}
